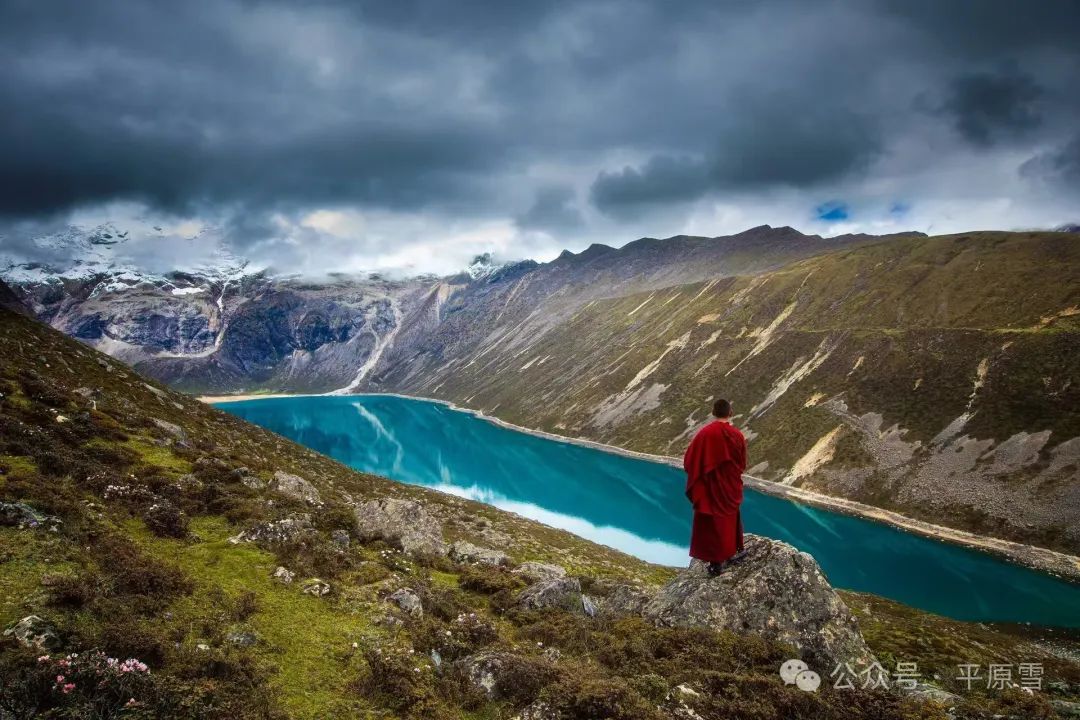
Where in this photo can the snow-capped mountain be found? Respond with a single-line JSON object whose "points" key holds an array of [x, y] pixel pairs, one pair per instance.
{"points": [[112, 258]]}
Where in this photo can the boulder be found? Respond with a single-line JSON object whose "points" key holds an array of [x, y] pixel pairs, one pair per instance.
{"points": [[249, 479], [538, 710], [340, 538], [626, 600], [404, 523], [563, 593], [275, 532], [22, 516], [777, 593], [491, 671], [408, 601], [178, 434], [283, 575], [32, 631], [243, 638], [535, 571], [295, 487], [465, 552], [315, 586]]}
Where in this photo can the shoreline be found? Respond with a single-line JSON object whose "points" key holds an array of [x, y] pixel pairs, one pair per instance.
{"points": [[1052, 562]]}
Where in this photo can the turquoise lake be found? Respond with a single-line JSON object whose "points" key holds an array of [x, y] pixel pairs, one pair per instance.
{"points": [[638, 506]]}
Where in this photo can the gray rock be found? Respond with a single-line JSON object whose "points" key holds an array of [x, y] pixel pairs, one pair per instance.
{"points": [[341, 538], [534, 571], [564, 593], [172, 429], [538, 710], [1065, 708], [929, 692], [21, 515], [486, 671], [465, 552], [276, 532], [249, 479], [189, 483], [626, 600], [243, 638], [404, 523], [777, 593], [295, 487], [315, 586], [408, 601], [33, 631], [588, 606], [283, 575]]}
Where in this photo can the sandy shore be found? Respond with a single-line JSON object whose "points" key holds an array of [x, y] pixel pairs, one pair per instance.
{"points": [[1049, 561]]}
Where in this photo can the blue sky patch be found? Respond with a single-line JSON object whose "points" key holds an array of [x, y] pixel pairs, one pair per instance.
{"points": [[832, 211]]}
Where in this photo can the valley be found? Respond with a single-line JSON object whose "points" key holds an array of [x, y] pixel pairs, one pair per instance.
{"points": [[934, 377]]}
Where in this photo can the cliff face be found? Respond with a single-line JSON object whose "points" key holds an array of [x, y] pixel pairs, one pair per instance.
{"points": [[933, 376]]}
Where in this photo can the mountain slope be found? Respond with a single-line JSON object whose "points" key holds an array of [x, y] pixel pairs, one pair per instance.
{"points": [[936, 376], [932, 376], [143, 523]]}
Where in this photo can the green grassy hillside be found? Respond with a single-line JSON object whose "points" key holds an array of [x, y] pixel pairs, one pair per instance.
{"points": [[935, 376], [119, 501]]}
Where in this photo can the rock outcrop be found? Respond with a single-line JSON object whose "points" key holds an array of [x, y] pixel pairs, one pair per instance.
{"points": [[465, 552], [33, 631], [276, 532], [295, 487], [535, 571], [21, 515], [563, 593], [408, 601], [404, 523], [777, 593]]}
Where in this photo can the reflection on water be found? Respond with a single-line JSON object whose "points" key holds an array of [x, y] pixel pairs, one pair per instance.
{"points": [[639, 507]]}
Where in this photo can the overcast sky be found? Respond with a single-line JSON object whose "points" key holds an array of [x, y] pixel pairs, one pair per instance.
{"points": [[413, 134]]}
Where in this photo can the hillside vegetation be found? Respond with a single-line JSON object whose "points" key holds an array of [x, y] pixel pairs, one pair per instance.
{"points": [[135, 524]]}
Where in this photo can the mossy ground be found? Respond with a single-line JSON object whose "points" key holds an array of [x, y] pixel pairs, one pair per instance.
{"points": [[181, 595]]}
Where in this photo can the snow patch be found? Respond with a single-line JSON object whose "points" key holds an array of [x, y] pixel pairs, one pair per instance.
{"points": [[188, 291]]}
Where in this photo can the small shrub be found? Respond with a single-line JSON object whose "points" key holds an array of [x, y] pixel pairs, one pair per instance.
{"points": [[164, 519], [583, 695], [489, 581], [246, 605], [402, 682]]}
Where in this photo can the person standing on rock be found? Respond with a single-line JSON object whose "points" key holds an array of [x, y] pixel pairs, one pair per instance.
{"points": [[714, 465]]}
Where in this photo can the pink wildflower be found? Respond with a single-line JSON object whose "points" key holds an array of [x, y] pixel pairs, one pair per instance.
{"points": [[68, 688]]}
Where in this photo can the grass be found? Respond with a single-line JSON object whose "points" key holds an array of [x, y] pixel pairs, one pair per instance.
{"points": [[158, 456], [307, 639]]}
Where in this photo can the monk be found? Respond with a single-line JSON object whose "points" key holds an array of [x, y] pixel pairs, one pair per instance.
{"points": [[714, 465]]}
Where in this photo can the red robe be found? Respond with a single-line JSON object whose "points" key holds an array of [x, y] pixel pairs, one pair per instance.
{"points": [[714, 465]]}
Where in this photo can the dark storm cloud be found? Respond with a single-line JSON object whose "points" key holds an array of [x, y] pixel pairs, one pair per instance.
{"points": [[987, 107], [553, 209], [771, 146], [254, 107]]}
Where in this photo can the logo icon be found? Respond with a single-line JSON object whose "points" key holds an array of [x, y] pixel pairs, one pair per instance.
{"points": [[797, 673]]}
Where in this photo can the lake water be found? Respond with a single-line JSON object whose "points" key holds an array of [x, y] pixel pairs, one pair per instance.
{"points": [[638, 506]]}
